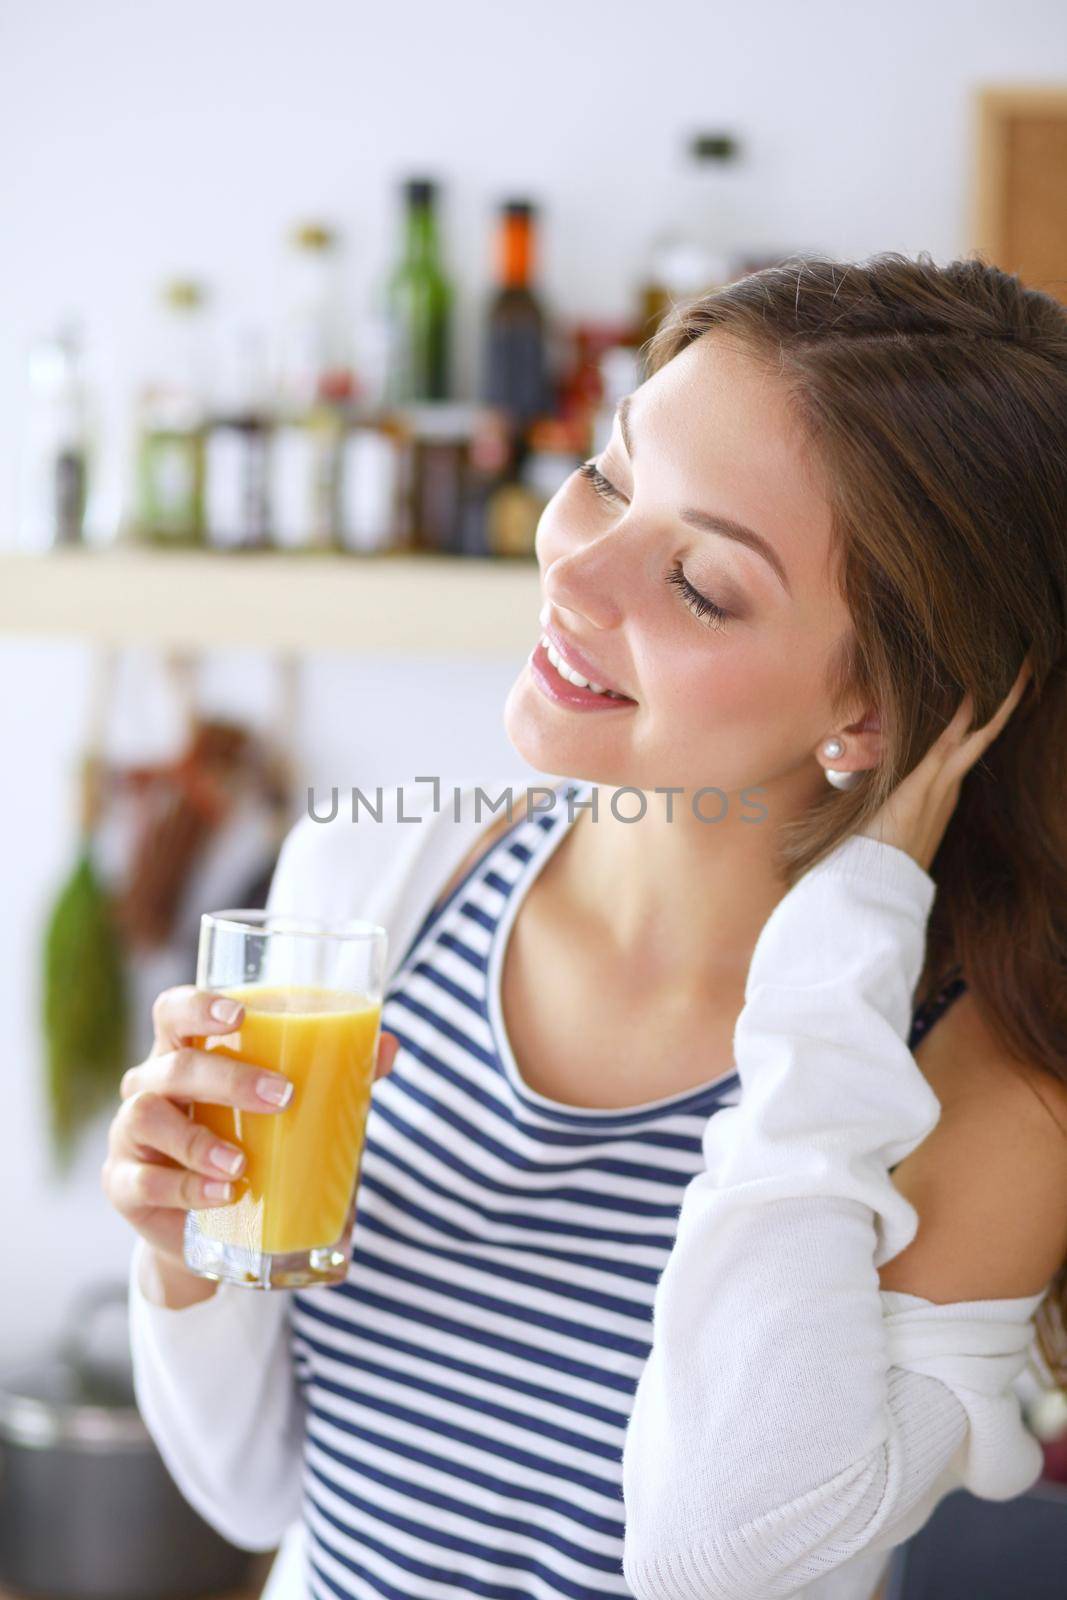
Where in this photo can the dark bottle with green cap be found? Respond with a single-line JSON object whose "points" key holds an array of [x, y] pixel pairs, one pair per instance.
{"points": [[419, 305]]}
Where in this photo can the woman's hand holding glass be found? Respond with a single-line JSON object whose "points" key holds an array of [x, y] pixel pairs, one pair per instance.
{"points": [[160, 1164]]}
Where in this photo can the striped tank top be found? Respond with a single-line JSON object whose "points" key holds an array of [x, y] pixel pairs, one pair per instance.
{"points": [[468, 1385]]}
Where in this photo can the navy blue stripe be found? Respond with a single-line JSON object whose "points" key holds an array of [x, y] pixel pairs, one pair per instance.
{"points": [[530, 1316], [518, 1219], [928, 1013], [435, 913], [495, 881], [523, 1526], [571, 1193], [434, 1220], [431, 1533], [476, 914], [534, 1461], [619, 1124], [451, 1032], [562, 1506], [564, 1400], [412, 1313], [535, 1280], [450, 987], [464, 951], [463, 1399], [634, 1170], [689, 1144], [434, 1574]]}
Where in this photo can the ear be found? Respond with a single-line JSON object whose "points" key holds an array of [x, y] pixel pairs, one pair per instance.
{"points": [[862, 740]]}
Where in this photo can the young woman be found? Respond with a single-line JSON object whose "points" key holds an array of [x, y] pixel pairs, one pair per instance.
{"points": [[692, 1259]]}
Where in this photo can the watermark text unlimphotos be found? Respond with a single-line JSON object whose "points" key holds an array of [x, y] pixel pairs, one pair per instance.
{"points": [[708, 805]]}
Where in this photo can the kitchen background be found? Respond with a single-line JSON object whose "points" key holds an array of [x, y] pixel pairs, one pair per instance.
{"points": [[156, 164]]}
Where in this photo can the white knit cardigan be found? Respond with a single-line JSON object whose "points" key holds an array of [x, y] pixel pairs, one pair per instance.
{"points": [[793, 1421]]}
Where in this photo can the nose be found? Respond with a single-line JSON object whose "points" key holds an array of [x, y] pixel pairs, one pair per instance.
{"points": [[585, 580]]}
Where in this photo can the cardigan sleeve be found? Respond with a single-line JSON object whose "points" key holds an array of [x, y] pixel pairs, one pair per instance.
{"points": [[215, 1382], [791, 1417], [215, 1387]]}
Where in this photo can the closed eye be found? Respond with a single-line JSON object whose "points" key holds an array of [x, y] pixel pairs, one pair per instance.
{"points": [[592, 474], [699, 604]]}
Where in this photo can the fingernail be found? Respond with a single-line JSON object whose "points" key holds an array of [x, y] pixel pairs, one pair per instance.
{"points": [[226, 1158], [218, 1191], [226, 1010], [278, 1091]]}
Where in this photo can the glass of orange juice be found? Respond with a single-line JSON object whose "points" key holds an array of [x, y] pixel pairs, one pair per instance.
{"points": [[312, 993]]}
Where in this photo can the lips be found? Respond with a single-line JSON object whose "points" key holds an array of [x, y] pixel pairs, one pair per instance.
{"points": [[578, 660], [552, 683]]}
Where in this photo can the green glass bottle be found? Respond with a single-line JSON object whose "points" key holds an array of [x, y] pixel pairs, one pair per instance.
{"points": [[170, 452], [419, 305]]}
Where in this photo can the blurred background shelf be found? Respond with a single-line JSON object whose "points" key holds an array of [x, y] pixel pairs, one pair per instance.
{"points": [[392, 604]]}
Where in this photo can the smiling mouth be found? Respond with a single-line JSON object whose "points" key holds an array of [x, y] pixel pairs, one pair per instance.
{"points": [[564, 683], [575, 678]]}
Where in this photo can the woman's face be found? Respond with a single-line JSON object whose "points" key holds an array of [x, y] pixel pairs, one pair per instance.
{"points": [[729, 690]]}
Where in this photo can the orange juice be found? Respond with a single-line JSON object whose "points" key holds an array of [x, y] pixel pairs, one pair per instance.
{"points": [[302, 1162]]}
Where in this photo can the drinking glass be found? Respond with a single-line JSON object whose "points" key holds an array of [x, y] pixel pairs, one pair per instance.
{"points": [[312, 993]]}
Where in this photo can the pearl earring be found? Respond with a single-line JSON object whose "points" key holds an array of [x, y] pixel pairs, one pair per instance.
{"points": [[840, 780]]}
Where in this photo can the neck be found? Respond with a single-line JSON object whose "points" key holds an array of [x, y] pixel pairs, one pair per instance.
{"points": [[681, 902]]}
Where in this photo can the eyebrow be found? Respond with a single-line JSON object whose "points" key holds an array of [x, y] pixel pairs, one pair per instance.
{"points": [[708, 521]]}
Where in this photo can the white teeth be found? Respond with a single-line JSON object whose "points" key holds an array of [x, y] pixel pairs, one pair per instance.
{"points": [[568, 672]]}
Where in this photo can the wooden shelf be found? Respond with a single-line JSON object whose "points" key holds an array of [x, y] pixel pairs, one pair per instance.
{"points": [[398, 604]]}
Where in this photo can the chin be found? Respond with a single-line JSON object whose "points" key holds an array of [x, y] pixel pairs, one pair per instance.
{"points": [[538, 732]]}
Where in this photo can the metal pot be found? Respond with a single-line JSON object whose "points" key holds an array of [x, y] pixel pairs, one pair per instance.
{"points": [[87, 1507]]}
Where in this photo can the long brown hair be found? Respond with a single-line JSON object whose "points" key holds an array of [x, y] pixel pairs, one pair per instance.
{"points": [[935, 399]]}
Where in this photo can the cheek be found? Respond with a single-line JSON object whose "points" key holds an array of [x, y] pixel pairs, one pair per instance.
{"points": [[740, 677]]}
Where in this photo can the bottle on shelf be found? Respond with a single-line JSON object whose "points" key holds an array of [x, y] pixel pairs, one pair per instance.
{"points": [[313, 387], [305, 465], [490, 467], [548, 455], [419, 305], [692, 256], [55, 460], [374, 497], [516, 379], [236, 449], [441, 436], [620, 368], [172, 414], [582, 387], [312, 345]]}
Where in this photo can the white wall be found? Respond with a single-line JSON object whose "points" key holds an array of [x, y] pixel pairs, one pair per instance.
{"points": [[137, 141]]}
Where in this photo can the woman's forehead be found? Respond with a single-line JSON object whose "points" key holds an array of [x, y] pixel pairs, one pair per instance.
{"points": [[718, 429]]}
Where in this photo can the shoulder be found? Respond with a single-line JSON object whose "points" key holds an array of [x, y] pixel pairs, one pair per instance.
{"points": [[340, 840], [989, 1183]]}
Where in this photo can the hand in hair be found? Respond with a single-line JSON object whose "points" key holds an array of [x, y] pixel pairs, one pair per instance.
{"points": [[915, 816]]}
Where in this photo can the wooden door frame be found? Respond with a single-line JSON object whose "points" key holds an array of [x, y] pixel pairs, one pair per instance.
{"points": [[994, 105]]}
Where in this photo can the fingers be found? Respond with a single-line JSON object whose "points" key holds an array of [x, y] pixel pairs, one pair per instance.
{"points": [[388, 1045], [965, 743], [185, 1012], [149, 1121], [208, 1077], [133, 1186], [207, 1170]]}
